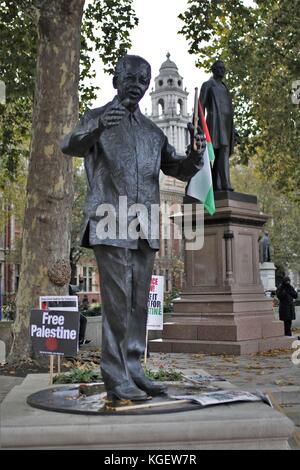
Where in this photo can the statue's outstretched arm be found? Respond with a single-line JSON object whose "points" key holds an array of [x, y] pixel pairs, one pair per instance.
{"points": [[182, 168], [88, 130], [78, 142]]}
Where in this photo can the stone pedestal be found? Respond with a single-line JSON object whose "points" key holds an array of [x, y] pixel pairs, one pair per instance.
{"points": [[237, 426], [267, 275], [223, 308]]}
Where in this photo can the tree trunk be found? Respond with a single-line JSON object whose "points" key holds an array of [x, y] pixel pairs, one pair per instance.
{"points": [[47, 222]]}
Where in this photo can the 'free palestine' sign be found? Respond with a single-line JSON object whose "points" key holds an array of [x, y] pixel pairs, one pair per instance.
{"points": [[156, 304], [54, 332]]}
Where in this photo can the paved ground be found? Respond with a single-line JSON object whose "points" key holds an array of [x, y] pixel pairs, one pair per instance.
{"points": [[273, 371], [7, 383], [268, 370]]}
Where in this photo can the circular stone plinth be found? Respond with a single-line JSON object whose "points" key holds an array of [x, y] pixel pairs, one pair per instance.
{"points": [[68, 399]]}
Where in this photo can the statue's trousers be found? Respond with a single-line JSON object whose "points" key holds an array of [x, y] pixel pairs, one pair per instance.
{"points": [[125, 276]]}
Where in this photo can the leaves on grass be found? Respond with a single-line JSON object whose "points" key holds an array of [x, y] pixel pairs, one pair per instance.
{"points": [[198, 356], [78, 376], [80, 365], [273, 353], [283, 382]]}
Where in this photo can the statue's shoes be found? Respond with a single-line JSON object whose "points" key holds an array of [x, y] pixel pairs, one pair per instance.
{"points": [[126, 392], [149, 386]]}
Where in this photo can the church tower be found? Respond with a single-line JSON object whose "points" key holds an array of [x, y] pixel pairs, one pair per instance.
{"points": [[169, 112], [169, 105]]}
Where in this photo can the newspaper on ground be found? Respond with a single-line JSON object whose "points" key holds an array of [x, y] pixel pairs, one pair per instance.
{"points": [[219, 397]]}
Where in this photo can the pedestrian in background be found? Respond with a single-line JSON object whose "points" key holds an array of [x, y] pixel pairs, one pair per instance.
{"points": [[286, 295]]}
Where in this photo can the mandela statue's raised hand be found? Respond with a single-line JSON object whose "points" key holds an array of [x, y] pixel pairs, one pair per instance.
{"points": [[113, 114], [200, 144]]}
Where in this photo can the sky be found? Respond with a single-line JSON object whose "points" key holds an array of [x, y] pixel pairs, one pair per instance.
{"points": [[157, 34]]}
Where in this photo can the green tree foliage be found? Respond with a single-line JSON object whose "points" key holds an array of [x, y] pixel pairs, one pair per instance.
{"points": [[105, 32], [260, 47], [284, 222], [17, 68]]}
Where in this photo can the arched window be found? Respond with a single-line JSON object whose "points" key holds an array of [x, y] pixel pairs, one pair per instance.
{"points": [[179, 106], [161, 107]]}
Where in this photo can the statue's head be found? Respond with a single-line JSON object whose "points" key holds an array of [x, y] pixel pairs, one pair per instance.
{"points": [[218, 69], [132, 78]]}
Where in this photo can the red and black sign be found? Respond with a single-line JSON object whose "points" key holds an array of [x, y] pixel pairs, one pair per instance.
{"points": [[54, 332]]}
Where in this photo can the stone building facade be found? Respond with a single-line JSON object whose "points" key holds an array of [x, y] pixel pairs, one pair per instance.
{"points": [[169, 112]]}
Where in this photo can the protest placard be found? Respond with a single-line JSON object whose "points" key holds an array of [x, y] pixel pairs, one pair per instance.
{"points": [[67, 303], [156, 304], [54, 332]]}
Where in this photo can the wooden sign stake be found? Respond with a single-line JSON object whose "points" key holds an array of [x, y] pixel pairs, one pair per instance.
{"points": [[51, 369]]}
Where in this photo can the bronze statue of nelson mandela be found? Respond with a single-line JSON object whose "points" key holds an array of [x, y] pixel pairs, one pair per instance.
{"points": [[123, 153]]}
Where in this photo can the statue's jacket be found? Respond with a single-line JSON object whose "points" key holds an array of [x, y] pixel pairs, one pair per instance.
{"points": [[122, 165], [210, 102]]}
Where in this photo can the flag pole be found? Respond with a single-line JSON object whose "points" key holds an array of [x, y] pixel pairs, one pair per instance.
{"points": [[196, 118]]}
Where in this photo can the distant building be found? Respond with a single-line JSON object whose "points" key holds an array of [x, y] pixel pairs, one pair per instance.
{"points": [[169, 112], [87, 268], [9, 264]]}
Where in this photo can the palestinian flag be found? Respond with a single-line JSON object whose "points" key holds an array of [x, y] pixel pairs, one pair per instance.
{"points": [[200, 186]]}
